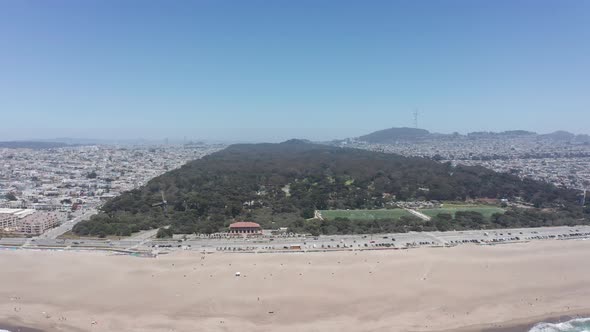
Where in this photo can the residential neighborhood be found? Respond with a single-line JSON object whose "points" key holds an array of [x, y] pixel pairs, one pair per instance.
{"points": [[41, 188], [561, 162]]}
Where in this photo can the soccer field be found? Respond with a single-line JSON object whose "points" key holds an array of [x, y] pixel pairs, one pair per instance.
{"points": [[485, 210], [365, 214]]}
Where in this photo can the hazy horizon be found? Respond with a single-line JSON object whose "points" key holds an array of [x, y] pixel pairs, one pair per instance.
{"points": [[254, 135], [260, 71]]}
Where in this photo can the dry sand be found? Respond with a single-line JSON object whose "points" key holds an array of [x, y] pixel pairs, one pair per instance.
{"points": [[464, 288]]}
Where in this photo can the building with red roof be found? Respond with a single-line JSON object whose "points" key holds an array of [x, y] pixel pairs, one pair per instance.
{"points": [[245, 228]]}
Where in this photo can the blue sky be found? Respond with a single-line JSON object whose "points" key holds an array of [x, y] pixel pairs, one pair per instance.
{"points": [[271, 70]]}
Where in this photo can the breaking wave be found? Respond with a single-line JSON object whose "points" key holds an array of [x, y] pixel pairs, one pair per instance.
{"points": [[574, 325]]}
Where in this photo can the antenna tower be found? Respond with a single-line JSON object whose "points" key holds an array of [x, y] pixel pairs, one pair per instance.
{"points": [[415, 119]]}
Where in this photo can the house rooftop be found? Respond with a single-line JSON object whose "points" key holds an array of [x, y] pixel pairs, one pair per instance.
{"points": [[244, 224]]}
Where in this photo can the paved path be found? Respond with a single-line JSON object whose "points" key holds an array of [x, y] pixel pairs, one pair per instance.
{"points": [[419, 214]]}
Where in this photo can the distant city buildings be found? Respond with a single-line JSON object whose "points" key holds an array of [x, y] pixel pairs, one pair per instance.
{"points": [[70, 178], [560, 162]]}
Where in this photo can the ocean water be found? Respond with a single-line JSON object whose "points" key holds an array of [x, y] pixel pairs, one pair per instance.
{"points": [[574, 325]]}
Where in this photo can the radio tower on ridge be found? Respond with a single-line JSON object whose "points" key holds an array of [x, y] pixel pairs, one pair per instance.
{"points": [[416, 119]]}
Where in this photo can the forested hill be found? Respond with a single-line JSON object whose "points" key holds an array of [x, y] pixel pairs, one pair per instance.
{"points": [[393, 134], [290, 180]]}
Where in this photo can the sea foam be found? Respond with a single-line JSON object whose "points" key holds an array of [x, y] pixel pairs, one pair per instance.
{"points": [[574, 325]]}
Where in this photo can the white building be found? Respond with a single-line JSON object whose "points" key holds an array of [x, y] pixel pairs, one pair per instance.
{"points": [[27, 221]]}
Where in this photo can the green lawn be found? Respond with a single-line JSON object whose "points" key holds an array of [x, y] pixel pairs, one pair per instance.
{"points": [[365, 214], [485, 210]]}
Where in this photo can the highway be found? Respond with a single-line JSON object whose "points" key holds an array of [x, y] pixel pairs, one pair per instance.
{"points": [[144, 242], [67, 226]]}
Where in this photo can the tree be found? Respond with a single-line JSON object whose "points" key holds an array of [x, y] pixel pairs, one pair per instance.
{"points": [[10, 197], [308, 212], [164, 233], [443, 222]]}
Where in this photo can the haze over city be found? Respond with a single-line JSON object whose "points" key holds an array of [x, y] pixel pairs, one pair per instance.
{"points": [[259, 71]]}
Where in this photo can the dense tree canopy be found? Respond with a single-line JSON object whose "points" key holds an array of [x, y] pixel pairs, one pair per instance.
{"points": [[280, 185]]}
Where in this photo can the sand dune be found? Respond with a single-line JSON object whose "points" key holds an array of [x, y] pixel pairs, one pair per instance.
{"points": [[410, 290]]}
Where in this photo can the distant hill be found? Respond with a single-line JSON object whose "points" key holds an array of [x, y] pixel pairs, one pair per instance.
{"points": [[503, 133], [517, 133], [560, 135], [566, 136], [31, 145], [280, 185], [392, 135], [395, 134]]}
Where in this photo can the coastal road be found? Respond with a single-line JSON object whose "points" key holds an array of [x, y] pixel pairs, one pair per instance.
{"points": [[67, 225], [145, 242], [143, 237]]}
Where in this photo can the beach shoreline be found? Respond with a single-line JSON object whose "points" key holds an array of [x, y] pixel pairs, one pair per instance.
{"points": [[523, 324], [518, 325], [465, 288], [17, 328]]}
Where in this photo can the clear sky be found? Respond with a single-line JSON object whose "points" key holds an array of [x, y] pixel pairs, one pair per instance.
{"points": [[271, 70]]}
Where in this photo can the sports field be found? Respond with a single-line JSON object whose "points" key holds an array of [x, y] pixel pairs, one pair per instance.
{"points": [[485, 210], [365, 214]]}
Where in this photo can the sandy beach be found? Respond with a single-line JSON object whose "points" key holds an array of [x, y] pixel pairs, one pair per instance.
{"points": [[465, 288]]}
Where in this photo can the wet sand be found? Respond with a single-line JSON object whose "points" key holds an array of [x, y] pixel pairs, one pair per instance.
{"points": [[520, 325], [13, 328], [466, 288]]}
